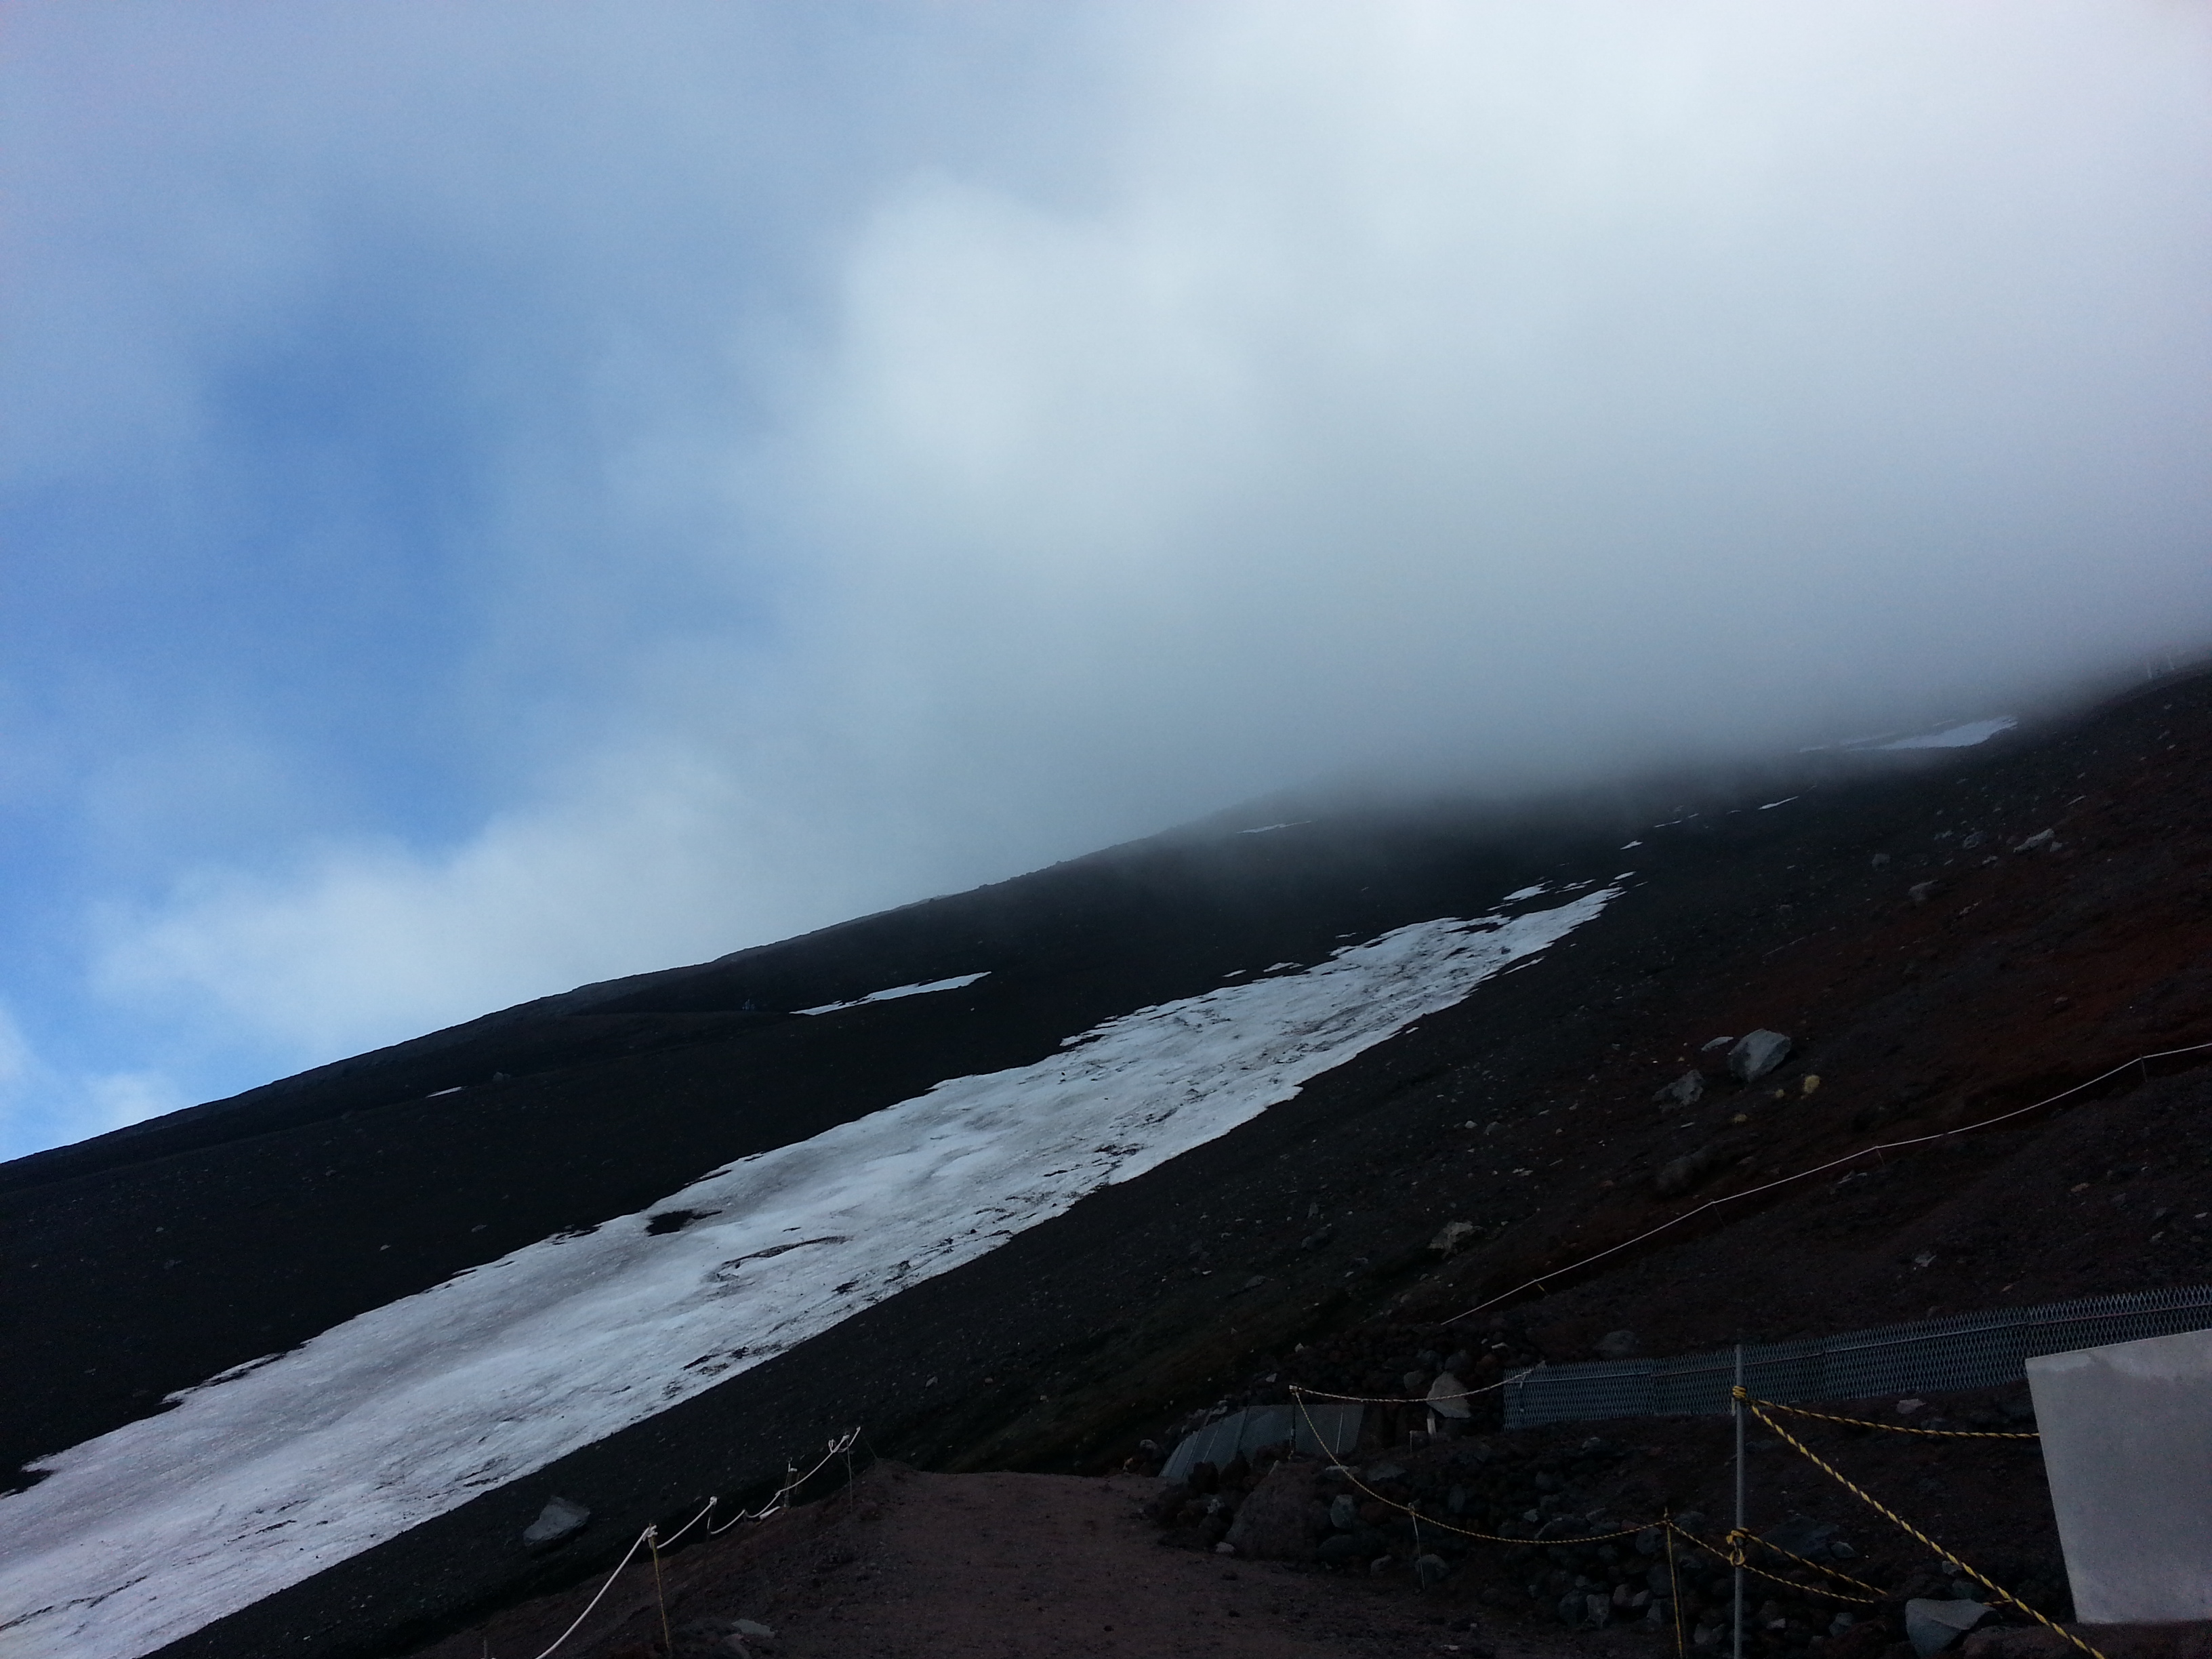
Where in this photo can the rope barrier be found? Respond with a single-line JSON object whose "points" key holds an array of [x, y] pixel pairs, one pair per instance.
{"points": [[650, 1538], [1898, 1520], [1902, 1428], [594, 1601], [1463, 1532], [1537, 1283], [840, 1446], [1412, 1398], [1735, 1557]]}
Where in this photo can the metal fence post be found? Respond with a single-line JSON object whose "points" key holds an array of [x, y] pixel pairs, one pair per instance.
{"points": [[1735, 1407]]}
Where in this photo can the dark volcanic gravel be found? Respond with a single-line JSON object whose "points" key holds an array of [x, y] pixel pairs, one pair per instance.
{"points": [[153, 1258]]}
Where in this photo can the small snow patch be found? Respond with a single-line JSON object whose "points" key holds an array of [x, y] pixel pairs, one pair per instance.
{"points": [[1784, 801], [897, 991], [1955, 737], [1263, 828]]}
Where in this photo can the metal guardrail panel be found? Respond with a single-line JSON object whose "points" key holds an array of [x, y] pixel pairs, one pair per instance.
{"points": [[1966, 1351], [1328, 1431]]}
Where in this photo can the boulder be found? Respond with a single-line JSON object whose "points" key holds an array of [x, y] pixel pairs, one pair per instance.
{"points": [[1278, 1519], [561, 1519], [1681, 1174], [1932, 1625], [1451, 1236], [1755, 1055], [1448, 1397], [2019, 1642]]}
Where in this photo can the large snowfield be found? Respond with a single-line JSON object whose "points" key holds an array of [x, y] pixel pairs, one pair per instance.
{"points": [[258, 1479]]}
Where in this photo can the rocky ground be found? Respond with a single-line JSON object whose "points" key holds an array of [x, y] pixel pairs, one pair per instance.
{"points": [[915, 1566], [1942, 942]]}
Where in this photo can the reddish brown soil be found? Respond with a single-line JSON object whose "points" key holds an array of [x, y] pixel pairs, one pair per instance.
{"points": [[912, 1565], [1928, 983]]}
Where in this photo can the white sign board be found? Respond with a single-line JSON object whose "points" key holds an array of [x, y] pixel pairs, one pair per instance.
{"points": [[2127, 1447]]}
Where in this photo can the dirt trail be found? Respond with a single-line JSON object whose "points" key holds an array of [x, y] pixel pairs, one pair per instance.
{"points": [[992, 1566]]}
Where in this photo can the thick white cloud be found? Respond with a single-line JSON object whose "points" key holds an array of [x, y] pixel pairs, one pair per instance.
{"points": [[1526, 390]]}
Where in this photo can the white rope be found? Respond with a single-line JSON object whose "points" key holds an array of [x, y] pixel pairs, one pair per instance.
{"points": [[2143, 1061], [594, 1601]]}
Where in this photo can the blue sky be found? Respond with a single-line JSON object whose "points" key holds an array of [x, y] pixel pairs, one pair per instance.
{"points": [[493, 497]]}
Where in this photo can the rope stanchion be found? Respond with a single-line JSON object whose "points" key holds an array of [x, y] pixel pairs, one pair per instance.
{"points": [[650, 1539], [1734, 1556], [1446, 1526], [1904, 1428], [1542, 1279], [1675, 1587], [1881, 1508], [840, 1446], [660, 1593], [595, 1600]]}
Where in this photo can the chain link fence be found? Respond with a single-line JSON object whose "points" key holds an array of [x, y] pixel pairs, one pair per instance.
{"points": [[1966, 1351]]}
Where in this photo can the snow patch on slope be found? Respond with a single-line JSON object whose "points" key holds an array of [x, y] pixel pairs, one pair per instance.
{"points": [[897, 991], [1955, 737], [281, 1468]]}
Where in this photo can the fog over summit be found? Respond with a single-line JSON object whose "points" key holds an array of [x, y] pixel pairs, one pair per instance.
{"points": [[503, 499]]}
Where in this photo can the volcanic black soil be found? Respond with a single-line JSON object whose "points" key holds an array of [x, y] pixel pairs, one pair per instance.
{"points": [[1934, 957]]}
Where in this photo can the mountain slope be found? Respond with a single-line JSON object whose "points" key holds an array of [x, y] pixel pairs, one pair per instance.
{"points": [[171, 1252]]}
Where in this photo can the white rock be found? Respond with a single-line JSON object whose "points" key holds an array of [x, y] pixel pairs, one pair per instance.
{"points": [[1755, 1055]]}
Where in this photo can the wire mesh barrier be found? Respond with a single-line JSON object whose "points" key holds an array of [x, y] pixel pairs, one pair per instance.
{"points": [[1966, 1351]]}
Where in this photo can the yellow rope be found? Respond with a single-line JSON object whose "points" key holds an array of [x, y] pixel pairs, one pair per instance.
{"points": [[1463, 1532], [1901, 1428], [1735, 1557], [1883, 1509]]}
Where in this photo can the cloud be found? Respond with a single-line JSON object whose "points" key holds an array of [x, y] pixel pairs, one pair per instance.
{"points": [[44, 1105], [1522, 392]]}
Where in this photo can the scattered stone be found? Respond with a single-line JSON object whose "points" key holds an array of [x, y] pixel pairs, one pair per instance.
{"points": [[1279, 1519], [1882, 860], [1379, 1473], [1451, 1236], [1617, 1345], [1757, 1055], [1430, 1570], [2043, 840], [1447, 1397], [1681, 1174], [2024, 1642], [1343, 1511], [1686, 1090], [1809, 1084], [1801, 1535], [1932, 1625], [1920, 891], [1712, 1043], [561, 1519], [1224, 1547]]}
